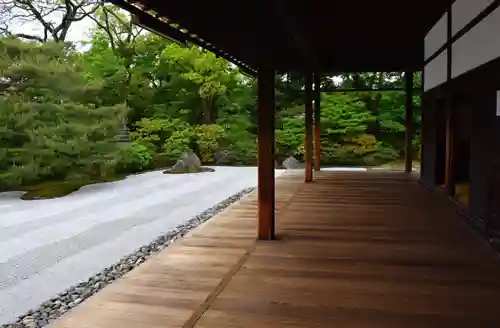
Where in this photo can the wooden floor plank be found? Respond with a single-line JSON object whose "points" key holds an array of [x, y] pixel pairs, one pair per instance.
{"points": [[354, 250]]}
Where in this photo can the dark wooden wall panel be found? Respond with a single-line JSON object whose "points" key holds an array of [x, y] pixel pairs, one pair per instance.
{"points": [[492, 152], [475, 103], [428, 141], [482, 144]]}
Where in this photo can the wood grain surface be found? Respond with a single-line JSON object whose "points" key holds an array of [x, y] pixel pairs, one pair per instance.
{"points": [[357, 250]]}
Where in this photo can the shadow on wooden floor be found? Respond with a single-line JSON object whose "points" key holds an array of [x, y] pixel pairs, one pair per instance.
{"points": [[355, 250]]}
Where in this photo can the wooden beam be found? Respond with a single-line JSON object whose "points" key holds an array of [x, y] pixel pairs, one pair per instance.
{"points": [[155, 25], [266, 140], [408, 121], [415, 90], [309, 126], [317, 121]]}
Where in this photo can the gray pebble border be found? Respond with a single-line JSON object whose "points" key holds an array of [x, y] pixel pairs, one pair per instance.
{"points": [[52, 309]]}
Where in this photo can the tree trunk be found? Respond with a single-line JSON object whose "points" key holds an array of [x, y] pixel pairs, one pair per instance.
{"points": [[207, 111]]}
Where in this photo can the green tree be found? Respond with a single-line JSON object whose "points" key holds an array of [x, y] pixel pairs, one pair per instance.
{"points": [[203, 71], [53, 125], [346, 138]]}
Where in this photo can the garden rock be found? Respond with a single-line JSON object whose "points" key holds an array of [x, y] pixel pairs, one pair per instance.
{"points": [[188, 163], [191, 160], [179, 166], [291, 163]]}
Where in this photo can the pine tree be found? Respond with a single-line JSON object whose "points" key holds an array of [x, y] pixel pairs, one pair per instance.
{"points": [[52, 123]]}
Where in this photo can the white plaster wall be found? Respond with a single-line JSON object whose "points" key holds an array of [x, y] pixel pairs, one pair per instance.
{"points": [[464, 11], [479, 46], [435, 71], [436, 37]]}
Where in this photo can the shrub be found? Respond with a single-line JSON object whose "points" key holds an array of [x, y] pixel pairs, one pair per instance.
{"points": [[208, 138], [290, 137], [161, 161], [242, 152], [178, 143], [360, 150], [238, 140], [155, 132], [203, 139], [134, 157]]}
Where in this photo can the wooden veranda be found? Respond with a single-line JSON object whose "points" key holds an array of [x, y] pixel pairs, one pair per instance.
{"points": [[372, 249]]}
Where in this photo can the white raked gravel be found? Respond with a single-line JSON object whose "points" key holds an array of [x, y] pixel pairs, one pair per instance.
{"points": [[46, 246]]}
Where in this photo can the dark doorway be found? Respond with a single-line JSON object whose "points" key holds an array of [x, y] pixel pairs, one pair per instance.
{"points": [[462, 133], [493, 220]]}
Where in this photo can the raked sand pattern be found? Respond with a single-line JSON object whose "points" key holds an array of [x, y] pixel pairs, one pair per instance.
{"points": [[46, 246]]}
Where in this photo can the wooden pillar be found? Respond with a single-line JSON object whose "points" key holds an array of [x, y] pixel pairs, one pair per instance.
{"points": [[449, 183], [309, 127], [408, 121], [266, 186], [317, 121]]}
